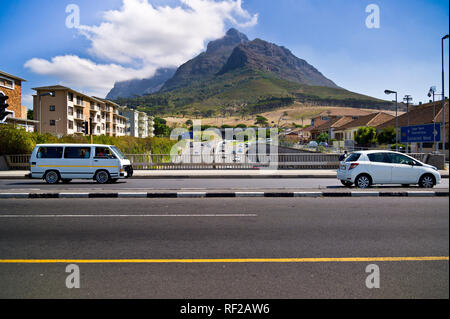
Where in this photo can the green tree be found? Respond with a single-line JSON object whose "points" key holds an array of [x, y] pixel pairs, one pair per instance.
{"points": [[261, 120], [322, 137], [366, 136], [386, 136], [161, 128]]}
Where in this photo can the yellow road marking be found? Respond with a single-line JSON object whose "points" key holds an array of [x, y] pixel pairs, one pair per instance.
{"points": [[71, 166], [238, 260]]}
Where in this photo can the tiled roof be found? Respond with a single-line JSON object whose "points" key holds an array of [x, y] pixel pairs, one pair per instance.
{"points": [[373, 120], [422, 114]]}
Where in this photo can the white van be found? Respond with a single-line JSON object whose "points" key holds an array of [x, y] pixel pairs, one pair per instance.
{"points": [[102, 163]]}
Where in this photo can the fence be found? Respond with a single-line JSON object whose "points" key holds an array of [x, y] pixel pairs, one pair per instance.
{"points": [[222, 161]]}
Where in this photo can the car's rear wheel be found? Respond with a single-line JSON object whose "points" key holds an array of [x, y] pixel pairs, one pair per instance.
{"points": [[102, 177], [52, 177], [363, 181], [346, 183], [427, 181]]}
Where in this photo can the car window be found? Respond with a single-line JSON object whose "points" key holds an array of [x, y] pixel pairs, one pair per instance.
{"points": [[353, 157], [77, 152], [103, 153], [50, 152], [399, 159], [379, 158]]}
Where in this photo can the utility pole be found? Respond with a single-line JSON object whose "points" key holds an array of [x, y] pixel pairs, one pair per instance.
{"points": [[407, 99]]}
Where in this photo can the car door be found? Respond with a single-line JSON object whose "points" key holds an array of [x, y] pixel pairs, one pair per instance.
{"points": [[402, 170], [380, 168], [105, 159], [77, 162]]}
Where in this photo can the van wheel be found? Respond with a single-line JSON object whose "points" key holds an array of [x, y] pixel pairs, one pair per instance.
{"points": [[66, 180], [102, 177], [363, 181], [52, 177], [427, 181]]}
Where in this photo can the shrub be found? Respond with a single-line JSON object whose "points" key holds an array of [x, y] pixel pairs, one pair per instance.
{"points": [[15, 141]]}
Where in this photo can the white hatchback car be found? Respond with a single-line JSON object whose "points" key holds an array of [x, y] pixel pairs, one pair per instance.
{"points": [[367, 168]]}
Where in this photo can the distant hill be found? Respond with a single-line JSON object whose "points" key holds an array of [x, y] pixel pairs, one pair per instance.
{"points": [[239, 76], [134, 88]]}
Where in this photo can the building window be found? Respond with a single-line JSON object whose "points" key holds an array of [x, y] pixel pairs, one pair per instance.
{"points": [[52, 108], [70, 125], [70, 112], [79, 100], [52, 122], [70, 96], [7, 83]]}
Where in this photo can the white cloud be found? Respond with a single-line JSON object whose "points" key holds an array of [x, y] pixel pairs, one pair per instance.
{"points": [[85, 75], [144, 37]]}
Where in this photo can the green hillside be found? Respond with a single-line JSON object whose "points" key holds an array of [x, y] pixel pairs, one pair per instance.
{"points": [[245, 91]]}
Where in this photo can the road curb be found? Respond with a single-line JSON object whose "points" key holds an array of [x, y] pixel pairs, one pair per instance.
{"points": [[243, 176], [222, 195]]}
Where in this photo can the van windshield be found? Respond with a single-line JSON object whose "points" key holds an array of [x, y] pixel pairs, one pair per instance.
{"points": [[118, 152]]}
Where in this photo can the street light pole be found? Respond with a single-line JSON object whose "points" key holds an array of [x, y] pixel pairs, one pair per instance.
{"points": [[443, 95], [407, 99], [396, 116]]}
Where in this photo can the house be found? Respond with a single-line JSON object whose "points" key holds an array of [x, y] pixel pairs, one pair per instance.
{"points": [[11, 86], [423, 114], [347, 131]]}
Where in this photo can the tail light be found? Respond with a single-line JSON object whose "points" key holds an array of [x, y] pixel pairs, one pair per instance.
{"points": [[352, 166]]}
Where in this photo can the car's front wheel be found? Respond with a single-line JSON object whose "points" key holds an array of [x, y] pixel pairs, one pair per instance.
{"points": [[363, 181], [102, 177], [427, 181]]}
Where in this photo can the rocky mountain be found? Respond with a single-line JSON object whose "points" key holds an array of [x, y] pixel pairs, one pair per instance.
{"points": [[238, 76], [269, 57], [208, 63], [132, 88]]}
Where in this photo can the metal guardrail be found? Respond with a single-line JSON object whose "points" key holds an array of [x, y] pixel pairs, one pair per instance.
{"points": [[219, 161]]}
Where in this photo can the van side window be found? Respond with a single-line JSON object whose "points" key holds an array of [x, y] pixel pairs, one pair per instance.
{"points": [[103, 153], [50, 152], [77, 152]]}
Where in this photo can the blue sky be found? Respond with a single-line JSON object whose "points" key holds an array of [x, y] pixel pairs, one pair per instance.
{"points": [[404, 54]]}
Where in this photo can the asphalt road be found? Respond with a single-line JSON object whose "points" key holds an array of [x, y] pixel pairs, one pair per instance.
{"points": [[232, 229], [189, 184]]}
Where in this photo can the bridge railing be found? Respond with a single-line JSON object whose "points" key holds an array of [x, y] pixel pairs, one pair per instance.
{"points": [[219, 161]]}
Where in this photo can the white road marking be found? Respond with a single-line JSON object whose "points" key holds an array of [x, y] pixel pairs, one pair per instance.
{"points": [[121, 216]]}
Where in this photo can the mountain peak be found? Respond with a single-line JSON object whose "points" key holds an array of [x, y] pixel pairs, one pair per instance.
{"points": [[236, 34]]}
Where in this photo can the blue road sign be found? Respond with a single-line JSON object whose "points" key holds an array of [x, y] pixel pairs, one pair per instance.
{"points": [[421, 133]]}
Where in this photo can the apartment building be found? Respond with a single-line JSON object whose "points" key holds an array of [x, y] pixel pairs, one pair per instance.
{"points": [[115, 122], [139, 123], [64, 111], [11, 86]]}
